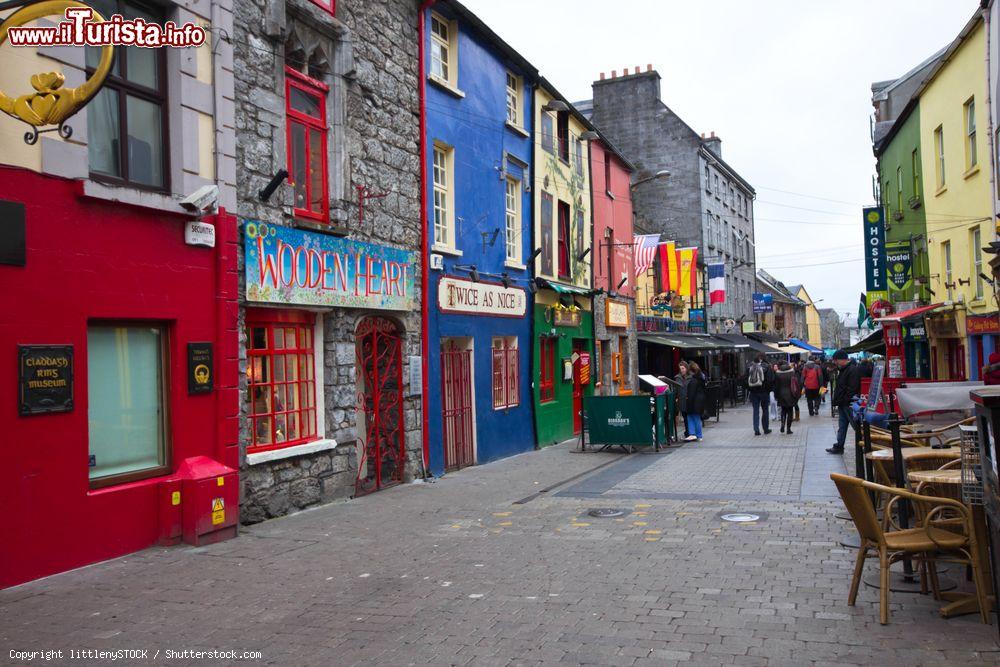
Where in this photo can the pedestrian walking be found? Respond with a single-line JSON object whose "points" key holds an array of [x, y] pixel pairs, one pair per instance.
{"points": [[797, 367], [812, 382], [991, 372], [682, 378], [760, 381], [787, 391], [695, 402], [848, 386]]}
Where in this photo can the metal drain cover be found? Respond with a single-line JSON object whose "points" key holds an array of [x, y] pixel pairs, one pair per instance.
{"points": [[740, 517], [606, 513]]}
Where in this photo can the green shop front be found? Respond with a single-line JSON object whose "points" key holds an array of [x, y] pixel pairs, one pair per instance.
{"points": [[563, 360]]}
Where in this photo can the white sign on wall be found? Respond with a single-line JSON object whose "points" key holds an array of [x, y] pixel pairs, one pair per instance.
{"points": [[458, 295], [200, 233]]}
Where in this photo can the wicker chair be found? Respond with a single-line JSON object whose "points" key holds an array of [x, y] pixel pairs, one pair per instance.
{"points": [[926, 542]]}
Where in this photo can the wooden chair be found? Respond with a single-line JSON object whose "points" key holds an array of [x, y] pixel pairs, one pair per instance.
{"points": [[926, 542]]}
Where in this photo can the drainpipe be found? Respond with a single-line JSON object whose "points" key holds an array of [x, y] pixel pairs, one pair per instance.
{"points": [[425, 418], [989, 116]]}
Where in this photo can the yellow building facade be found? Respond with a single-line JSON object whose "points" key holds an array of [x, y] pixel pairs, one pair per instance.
{"points": [[813, 326], [955, 163]]}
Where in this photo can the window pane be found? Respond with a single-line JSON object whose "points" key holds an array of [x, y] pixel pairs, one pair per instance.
{"points": [[262, 431], [317, 185], [103, 132], [304, 102], [279, 368], [298, 149], [125, 394], [258, 338], [261, 401], [291, 366], [279, 338], [145, 142]]}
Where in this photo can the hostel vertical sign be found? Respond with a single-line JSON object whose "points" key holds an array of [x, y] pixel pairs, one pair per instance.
{"points": [[875, 267]]}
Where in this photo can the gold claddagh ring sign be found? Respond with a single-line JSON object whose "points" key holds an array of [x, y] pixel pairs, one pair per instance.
{"points": [[51, 104]]}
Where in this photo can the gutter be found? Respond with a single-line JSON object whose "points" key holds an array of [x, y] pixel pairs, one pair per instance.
{"points": [[425, 419]]}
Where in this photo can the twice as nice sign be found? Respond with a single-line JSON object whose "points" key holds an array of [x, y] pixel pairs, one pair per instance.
{"points": [[292, 266], [458, 295]]}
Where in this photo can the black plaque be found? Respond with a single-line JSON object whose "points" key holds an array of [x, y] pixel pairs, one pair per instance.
{"points": [[200, 380], [12, 243], [45, 378]]}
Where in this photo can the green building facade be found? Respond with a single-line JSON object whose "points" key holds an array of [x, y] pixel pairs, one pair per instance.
{"points": [[565, 367]]}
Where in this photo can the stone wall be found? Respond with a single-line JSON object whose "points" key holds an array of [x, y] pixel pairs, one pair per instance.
{"points": [[613, 334], [367, 55]]}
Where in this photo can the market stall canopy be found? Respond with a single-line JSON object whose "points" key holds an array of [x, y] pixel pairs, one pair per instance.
{"points": [[788, 348], [873, 342], [804, 345], [910, 314]]}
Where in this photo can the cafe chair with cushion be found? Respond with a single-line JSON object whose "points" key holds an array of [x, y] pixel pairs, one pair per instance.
{"points": [[926, 542]]}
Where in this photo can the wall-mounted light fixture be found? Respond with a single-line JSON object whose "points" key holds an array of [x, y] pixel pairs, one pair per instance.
{"points": [[505, 279], [589, 135], [622, 282], [663, 173], [583, 255], [986, 278], [272, 185], [556, 105]]}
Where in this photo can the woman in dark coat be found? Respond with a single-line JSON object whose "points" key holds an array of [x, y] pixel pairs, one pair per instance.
{"points": [[787, 390], [695, 401]]}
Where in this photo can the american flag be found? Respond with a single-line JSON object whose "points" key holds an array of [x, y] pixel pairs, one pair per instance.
{"points": [[645, 252]]}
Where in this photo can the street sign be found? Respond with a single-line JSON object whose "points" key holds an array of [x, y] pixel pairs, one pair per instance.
{"points": [[875, 269]]}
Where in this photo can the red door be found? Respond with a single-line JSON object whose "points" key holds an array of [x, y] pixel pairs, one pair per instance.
{"points": [[579, 347], [456, 403], [380, 366]]}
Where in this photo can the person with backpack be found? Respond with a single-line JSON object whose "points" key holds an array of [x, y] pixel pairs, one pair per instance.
{"points": [[812, 380], [696, 397], [759, 381], [787, 391], [682, 378]]}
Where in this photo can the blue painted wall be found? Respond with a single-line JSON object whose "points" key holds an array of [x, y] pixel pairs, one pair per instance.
{"points": [[474, 125]]}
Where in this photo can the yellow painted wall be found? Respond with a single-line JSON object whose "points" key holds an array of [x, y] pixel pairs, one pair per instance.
{"points": [[813, 325], [562, 181], [963, 203], [17, 65]]}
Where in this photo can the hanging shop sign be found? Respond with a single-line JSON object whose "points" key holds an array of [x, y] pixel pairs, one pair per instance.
{"points": [[875, 259], [881, 308], [696, 320], [982, 324], [460, 295], [563, 316], [615, 313], [914, 333], [942, 325], [899, 266], [292, 266], [199, 361], [45, 379], [50, 103], [584, 365], [763, 302]]}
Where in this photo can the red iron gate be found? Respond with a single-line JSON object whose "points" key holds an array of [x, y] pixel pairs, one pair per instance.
{"points": [[380, 366], [456, 402]]}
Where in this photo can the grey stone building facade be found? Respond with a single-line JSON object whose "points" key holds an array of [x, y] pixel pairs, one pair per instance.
{"points": [[328, 92], [703, 203]]}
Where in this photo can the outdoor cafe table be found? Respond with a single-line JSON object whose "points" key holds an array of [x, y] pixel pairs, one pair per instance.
{"points": [[948, 484], [886, 454]]}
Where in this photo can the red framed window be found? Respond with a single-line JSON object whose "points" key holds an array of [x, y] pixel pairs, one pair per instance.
{"points": [[547, 369], [328, 5], [305, 109], [563, 240], [506, 374], [281, 386]]}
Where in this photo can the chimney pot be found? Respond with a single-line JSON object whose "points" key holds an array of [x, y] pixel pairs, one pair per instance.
{"points": [[614, 74], [636, 69], [602, 76], [649, 67], [713, 134]]}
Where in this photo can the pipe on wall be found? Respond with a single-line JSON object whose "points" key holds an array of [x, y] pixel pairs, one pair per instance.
{"points": [[425, 419]]}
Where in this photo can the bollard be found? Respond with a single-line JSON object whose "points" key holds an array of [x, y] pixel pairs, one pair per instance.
{"points": [[899, 471]]}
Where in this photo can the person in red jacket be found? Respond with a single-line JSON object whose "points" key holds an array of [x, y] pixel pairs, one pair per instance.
{"points": [[991, 373]]}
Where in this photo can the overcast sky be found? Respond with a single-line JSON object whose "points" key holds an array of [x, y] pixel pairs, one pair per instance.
{"points": [[786, 84]]}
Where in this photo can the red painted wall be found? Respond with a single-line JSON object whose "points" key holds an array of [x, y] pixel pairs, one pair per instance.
{"points": [[615, 213], [92, 259]]}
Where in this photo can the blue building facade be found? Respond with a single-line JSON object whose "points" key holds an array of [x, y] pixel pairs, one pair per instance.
{"points": [[479, 96]]}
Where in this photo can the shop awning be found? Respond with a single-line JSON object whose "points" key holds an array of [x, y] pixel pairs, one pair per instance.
{"points": [[679, 341], [873, 342], [740, 341], [911, 314], [788, 348], [567, 289], [804, 345]]}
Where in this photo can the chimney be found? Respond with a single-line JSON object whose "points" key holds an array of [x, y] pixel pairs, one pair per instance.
{"points": [[649, 67], [614, 74], [713, 143], [602, 76], [636, 69]]}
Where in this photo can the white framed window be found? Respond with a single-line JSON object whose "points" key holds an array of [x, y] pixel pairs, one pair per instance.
{"points": [[506, 373], [946, 260], [444, 215], [899, 188], [515, 100], [708, 180], [444, 50], [939, 156], [971, 159], [512, 206]]}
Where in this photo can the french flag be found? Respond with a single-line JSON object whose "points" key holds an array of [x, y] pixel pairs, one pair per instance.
{"points": [[716, 283]]}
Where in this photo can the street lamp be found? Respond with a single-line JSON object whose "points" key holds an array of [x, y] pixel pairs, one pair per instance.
{"points": [[663, 173]]}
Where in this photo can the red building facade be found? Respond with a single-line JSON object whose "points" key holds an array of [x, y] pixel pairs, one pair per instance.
{"points": [[119, 347]]}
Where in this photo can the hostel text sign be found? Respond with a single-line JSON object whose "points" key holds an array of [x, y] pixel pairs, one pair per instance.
{"points": [[292, 266], [875, 270]]}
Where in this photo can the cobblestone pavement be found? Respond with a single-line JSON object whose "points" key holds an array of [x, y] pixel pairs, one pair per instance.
{"points": [[501, 564]]}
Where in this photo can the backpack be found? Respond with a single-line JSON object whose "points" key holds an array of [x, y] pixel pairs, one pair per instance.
{"points": [[794, 386], [756, 376], [810, 377]]}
